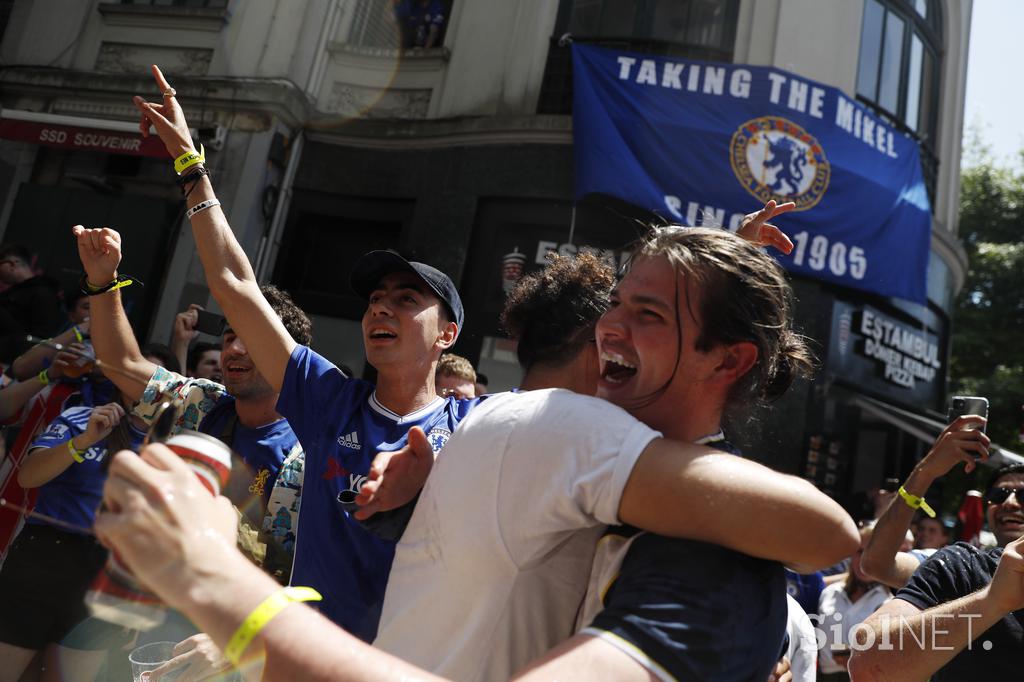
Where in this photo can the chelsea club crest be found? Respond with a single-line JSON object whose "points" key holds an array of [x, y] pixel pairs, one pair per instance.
{"points": [[437, 438], [774, 158]]}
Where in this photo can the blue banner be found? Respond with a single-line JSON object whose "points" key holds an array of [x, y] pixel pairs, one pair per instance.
{"points": [[706, 143]]}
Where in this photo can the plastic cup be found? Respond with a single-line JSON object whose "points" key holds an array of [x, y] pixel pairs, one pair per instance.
{"points": [[149, 657]]}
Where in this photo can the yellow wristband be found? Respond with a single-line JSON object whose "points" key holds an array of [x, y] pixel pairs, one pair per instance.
{"points": [[189, 159], [44, 377], [263, 614], [915, 502], [94, 289], [78, 333], [75, 453]]}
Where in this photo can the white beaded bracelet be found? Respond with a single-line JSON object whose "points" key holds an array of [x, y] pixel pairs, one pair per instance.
{"points": [[201, 206]]}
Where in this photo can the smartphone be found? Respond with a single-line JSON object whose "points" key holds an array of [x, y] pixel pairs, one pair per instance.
{"points": [[210, 323], [959, 405]]}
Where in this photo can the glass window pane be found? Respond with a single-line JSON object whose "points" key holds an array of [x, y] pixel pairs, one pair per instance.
{"points": [[870, 50], [618, 18], [892, 53], [922, 7], [707, 23], [585, 17], [929, 98], [671, 20], [914, 82]]}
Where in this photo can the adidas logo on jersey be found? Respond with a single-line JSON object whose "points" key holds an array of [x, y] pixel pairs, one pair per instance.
{"points": [[350, 441]]}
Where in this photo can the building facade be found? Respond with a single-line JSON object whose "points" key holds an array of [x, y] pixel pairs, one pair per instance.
{"points": [[445, 131]]}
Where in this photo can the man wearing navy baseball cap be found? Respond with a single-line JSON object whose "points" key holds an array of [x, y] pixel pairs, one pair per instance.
{"points": [[413, 314], [374, 266]]}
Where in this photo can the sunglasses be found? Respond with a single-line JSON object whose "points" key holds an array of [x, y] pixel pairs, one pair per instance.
{"points": [[1000, 495]]}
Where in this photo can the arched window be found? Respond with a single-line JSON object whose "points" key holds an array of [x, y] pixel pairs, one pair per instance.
{"points": [[692, 29], [898, 72]]}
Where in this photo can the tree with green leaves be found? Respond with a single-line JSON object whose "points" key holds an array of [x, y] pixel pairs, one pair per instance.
{"points": [[988, 317]]}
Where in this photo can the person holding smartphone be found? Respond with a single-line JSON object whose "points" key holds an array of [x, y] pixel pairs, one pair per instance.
{"points": [[965, 603], [201, 360], [964, 440]]}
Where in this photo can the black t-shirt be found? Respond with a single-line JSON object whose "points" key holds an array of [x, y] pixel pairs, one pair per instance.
{"points": [[954, 572]]}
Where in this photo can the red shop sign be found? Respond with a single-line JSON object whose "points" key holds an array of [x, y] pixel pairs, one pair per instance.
{"points": [[82, 139]]}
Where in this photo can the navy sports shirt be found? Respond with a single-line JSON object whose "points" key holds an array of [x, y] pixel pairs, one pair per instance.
{"points": [[342, 427]]}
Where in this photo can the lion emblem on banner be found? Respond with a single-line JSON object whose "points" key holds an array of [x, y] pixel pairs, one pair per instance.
{"points": [[774, 158]]}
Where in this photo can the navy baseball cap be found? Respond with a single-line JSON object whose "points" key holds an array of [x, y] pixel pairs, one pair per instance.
{"points": [[372, 267]]}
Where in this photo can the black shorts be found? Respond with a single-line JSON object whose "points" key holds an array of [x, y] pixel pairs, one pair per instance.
{"points": [[689, 610], [42, 591]]}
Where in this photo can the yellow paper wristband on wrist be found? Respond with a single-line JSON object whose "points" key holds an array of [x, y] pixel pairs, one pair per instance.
{"points": [[263, 614], [75, 453], [189, 159], [915, 502], [44, 377]]}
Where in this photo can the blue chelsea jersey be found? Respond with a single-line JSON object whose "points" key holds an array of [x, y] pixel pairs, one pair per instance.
{"points": [[74, 495], [342, 427]]}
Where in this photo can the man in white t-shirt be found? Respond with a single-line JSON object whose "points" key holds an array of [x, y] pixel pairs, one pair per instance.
{"points": [[491, 569]]}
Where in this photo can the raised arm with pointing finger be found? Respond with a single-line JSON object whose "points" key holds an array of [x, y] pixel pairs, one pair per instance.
{"points": [[413, 314], [228, 272]]}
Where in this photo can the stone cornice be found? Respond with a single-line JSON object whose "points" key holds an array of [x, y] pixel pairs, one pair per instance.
{"points": [[441, 133], [109, 95], [164, 17]]}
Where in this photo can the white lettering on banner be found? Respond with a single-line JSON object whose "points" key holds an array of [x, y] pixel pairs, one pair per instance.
{"points": [[849, 118], [701, 216], [670, 76], [739, 84], [648, 73], [784, 90], [839, 258], [714, 80]]}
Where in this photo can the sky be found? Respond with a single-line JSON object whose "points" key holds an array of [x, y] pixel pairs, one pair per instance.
{"points": [[995, 98]]}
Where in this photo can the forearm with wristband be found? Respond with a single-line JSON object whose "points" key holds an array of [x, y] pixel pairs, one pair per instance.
{"points": [[915, 502], [76, 454], [191, 169], [263, 614]]}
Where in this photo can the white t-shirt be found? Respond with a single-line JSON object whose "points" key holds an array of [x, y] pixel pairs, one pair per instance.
{"points": [[835, 602], [803, 644], [493, 565]]}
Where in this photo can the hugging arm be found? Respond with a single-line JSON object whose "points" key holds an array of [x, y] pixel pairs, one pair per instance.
{"points": [[690, 491]]}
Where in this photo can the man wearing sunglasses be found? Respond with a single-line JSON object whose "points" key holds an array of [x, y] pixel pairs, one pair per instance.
{"points": [[960, 616]]}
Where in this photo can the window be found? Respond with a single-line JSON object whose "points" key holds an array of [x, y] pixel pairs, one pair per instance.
{"points": [[692, 29], [405, 24], [898, 75]]}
